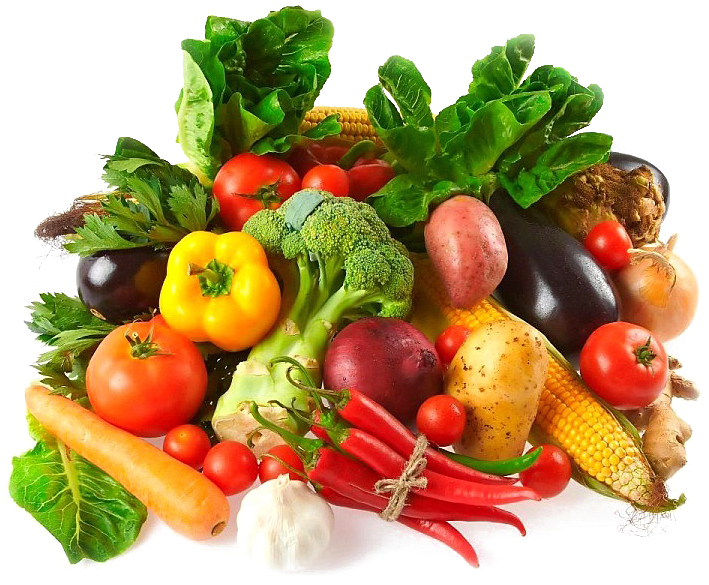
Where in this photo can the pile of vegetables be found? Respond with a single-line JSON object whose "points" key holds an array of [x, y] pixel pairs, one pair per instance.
{"points": [[259, 306]]}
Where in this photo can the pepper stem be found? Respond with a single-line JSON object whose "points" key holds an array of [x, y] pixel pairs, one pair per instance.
{"points": [[295, 441], [214, 278]]}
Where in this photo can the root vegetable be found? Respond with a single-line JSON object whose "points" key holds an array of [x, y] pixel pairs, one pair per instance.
{"points": [[181, 496], [465, 243], [658, 290], [665, 432], [498, 374], [389, 360]]}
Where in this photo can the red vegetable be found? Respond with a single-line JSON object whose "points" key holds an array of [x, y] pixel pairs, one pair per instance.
{"points": [[355, 480], [272, 464], [449, 341], [248, 183], [624, 364], [187, 443], [550, 473], [442, 419], [328, 178], [146, 378], [389, 360], [441, 531], [367, 176], [609, 244], [232, 466], [388, 463]]}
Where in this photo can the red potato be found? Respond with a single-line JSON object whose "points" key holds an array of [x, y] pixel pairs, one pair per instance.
{"points": [[466, 245], [389, 360]]}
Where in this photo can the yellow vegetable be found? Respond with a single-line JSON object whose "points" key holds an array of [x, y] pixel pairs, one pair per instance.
{"points": [[498, 374], [220, 289]]}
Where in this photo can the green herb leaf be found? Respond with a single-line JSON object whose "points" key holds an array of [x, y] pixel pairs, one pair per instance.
{"points": [[155, 204]]}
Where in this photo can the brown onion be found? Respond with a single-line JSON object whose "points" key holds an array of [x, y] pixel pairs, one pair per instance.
{"points": [[658, 290]]}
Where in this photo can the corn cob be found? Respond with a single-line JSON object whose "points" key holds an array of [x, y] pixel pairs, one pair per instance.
{"points": [[602, 444], [355, 124]]}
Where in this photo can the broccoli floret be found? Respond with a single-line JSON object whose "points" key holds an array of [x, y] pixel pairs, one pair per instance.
{"points": [[346, 266]]}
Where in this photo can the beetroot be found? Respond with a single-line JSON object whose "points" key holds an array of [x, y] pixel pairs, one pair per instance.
{"points": [[389, 360]]}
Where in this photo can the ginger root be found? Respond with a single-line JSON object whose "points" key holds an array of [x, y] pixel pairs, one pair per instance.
{"points": [[665, 433]]}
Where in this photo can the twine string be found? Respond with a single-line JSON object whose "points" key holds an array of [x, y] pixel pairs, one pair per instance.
{"points": [[409, 479]]}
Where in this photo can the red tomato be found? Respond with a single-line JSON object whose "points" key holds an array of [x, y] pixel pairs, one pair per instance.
{"points": [[146, 378], [328, 178], [367, 176], [448, 343], [248, 183], [232, 466], [442, 419], [549, 474], [609, 243], [271, 468], [187, 443], [624, 364]]}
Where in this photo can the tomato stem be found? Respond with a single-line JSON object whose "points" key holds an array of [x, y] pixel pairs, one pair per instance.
{"points": [[644, 354], [142, 349]]}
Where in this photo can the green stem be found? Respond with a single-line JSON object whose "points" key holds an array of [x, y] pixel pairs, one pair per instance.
{"points": [[295, 441]]}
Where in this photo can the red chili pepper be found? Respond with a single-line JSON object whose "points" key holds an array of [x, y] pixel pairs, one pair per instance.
{"points": [[364, 413], [441, 531], [388, 463], [351, 478], [356, 481]]}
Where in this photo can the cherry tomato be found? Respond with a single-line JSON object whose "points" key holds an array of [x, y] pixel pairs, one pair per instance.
{"points": [[549, 474], [187, 443], [367, 176], [328, 178], [624, 364], [271, 468], [146, 378], [448, 343], [609, 243], [232, 466], [248, 182], [318, 153], [442, 419]]}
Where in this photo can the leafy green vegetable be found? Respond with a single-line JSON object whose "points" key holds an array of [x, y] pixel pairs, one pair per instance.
{"points": [[90, 514], [154, 204], [67, 325], [248, 85], [505, 132]]}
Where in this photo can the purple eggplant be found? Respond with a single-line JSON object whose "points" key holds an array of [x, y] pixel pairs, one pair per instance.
{"points": [[551, 282], [121, 284]]}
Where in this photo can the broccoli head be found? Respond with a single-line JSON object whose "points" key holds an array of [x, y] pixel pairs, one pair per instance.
{"points": [[344, 265]]}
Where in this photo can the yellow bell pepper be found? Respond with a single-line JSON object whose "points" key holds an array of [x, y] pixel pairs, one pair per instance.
{"points": [[220, 289]]}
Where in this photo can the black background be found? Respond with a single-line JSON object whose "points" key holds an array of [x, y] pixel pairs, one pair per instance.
{"points": [[107, 74]]}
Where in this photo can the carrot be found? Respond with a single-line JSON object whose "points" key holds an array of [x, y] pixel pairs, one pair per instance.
{"points": [[182, 497]]}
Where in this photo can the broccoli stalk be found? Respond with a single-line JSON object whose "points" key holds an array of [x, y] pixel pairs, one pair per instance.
{"points": [[343, 264]]}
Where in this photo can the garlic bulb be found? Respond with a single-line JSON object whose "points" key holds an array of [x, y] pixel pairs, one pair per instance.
{"points": [[284, 524]]}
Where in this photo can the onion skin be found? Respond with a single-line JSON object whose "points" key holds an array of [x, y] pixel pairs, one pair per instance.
{"points": [[665, 322]]}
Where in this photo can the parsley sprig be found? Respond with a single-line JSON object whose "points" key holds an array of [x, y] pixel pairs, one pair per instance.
{"points": [[66, 325], [154, 204]]}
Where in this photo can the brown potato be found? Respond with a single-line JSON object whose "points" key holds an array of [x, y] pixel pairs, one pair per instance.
{"points": [[498, 374]]}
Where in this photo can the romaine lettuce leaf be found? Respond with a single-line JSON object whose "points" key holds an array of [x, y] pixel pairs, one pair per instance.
{"points": [[248, 86], [89, 513]]}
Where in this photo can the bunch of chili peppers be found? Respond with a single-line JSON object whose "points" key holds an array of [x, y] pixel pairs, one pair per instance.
{"points": [[360, 443]]}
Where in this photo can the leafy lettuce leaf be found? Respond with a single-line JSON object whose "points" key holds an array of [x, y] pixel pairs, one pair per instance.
{"points": [[248, 85], [507, 131]]}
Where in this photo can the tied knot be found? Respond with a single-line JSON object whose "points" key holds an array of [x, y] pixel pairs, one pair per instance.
{"points": [[409, 479]]}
